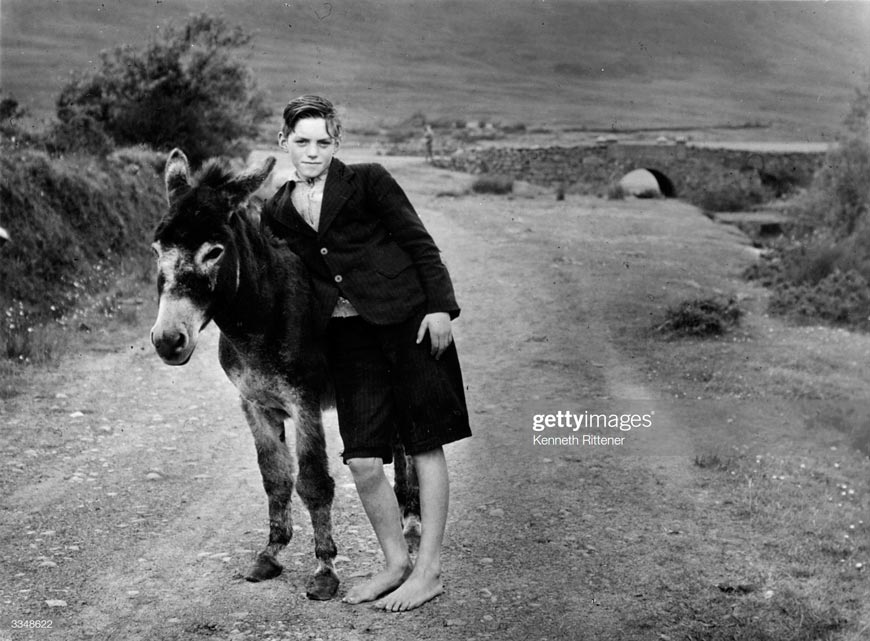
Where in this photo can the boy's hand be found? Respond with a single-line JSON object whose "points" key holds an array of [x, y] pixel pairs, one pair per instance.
{"points": [[440, 333]]}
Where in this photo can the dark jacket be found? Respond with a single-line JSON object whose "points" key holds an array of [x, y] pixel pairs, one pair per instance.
{"points": [[371, 247]]}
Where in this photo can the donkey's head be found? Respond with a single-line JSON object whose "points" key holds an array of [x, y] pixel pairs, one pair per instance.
{"points": [[197, 257]]}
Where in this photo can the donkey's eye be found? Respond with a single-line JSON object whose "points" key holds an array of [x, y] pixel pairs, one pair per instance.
{"points": [[213, 254]]}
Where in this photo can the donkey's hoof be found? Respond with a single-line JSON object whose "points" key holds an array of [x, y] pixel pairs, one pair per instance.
{"points": [[412, 529], [264, 569], [322, 586]]}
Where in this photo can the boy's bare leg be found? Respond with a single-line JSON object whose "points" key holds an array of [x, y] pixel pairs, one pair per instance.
{"points": [[424, 582], [379, 502]]}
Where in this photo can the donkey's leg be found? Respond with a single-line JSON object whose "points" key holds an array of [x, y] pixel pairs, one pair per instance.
{"points": [[316, 488], [276, 468], [408, 495]]}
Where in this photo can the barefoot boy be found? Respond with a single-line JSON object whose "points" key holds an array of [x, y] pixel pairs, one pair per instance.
{"points": [[384, 302]]}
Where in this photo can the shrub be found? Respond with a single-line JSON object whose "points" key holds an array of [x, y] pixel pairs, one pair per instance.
{"points": [[823, 272], [80, 134], [841, 298], [810, 264], [649, 193], [616, 192], [740, 194], [701, 317], [10, 113], [842, 188], [183, 89], [492, 184]]}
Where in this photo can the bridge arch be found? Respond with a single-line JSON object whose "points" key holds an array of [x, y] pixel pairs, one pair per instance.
{"points": [[646, 182], [666, 185]]}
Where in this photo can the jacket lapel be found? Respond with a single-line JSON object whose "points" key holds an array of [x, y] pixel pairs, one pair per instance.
{"points": [[336, 191], [286, 214]]}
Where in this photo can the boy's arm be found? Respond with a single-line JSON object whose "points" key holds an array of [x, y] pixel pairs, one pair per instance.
{"points": [[406, 228]]}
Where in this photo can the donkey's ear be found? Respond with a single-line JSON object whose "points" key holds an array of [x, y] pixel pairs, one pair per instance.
{"points": [[177, 174], [242, 186]]}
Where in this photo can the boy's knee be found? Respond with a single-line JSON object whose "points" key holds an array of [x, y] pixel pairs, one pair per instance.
{"points": [[366, 470]]}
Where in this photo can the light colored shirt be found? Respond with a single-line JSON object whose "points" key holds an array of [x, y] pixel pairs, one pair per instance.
{"points": [[307, 198]]}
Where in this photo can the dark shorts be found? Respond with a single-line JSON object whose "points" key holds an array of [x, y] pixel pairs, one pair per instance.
{"points": [[387, 387]]}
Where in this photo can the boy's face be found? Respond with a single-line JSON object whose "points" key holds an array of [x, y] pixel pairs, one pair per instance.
{"points": [[310, 146]]}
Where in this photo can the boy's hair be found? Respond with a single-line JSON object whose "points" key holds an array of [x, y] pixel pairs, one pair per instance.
{"points": [[310, 106]]}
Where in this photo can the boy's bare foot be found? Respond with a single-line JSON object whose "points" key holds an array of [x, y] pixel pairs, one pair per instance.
{"points": [[417, 590], [381, 583]]}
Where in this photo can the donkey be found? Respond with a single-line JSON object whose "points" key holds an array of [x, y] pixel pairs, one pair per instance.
{"points": [[214, 263]]}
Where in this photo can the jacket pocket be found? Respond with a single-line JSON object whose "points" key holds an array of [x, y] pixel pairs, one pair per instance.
{"points": [[390, 261]]}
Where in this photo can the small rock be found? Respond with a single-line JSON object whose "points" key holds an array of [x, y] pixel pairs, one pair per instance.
{"points": [[497, 512], [486, 560], [154, 476], [450, 623], [55, 603], [76, 414]]}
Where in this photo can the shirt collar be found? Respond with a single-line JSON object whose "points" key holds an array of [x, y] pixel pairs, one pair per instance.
{"points": [[311, 182]]}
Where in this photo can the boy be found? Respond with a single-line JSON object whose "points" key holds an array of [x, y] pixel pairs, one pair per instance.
{"points": [[380, 293]]}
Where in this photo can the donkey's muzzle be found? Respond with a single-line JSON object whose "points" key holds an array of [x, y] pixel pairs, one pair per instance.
{"points": [[172, 346]]}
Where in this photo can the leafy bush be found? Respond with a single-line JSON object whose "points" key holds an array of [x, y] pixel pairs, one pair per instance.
{"points": [[700, 317], [740, 194], [492, 184], [183, 89], [841, 298], [10, 113], [841, 189], [616, 192], [823, 271], [80, 134]]}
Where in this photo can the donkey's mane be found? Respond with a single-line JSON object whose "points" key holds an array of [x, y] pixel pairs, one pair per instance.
{"points": [[214, 174]]}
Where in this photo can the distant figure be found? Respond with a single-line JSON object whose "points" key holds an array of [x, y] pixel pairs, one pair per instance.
{"points": [[428, 138]]}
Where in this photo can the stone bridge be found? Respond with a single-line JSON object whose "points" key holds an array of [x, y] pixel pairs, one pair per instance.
{"points": [[681, 169]]}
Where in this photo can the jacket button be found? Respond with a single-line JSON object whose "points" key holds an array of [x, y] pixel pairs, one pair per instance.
{"points": [[324, 251], [338, 278]]}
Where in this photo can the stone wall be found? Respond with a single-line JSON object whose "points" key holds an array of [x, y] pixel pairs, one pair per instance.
{"points": [[682, 167]]}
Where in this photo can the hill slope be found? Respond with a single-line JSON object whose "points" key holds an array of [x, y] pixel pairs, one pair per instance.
{"points": [[595, 64]]}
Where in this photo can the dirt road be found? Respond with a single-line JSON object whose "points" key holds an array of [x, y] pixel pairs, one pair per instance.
{"points": [[132, 501]]}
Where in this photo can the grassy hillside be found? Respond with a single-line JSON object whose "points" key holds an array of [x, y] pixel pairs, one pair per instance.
{"points": [[564, 64], [78, 224]]}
